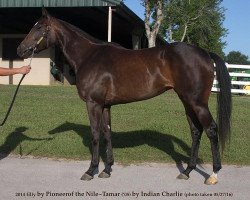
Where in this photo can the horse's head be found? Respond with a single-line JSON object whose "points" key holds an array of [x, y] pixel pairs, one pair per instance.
{"points": [[40, 37]]}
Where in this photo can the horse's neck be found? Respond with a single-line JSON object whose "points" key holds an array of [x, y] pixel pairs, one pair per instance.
{"points": [[71, 42]]}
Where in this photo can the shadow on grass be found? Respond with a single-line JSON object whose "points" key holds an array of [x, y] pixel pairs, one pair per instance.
{"points": [[163, 142], [15, 139]]}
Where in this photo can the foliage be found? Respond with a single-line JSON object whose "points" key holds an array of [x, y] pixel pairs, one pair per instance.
{"points": [[53, 122], [197, 22], [236, 57]]}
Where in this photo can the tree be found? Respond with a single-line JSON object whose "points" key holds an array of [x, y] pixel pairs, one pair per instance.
{"points": [[153, 7], [236, 57], [197, 22]]}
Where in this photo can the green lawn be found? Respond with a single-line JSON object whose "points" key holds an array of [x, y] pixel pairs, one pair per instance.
{"points": [[52, 122]]}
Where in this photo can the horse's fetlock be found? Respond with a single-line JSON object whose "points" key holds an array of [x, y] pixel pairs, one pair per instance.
{"points": [[217, 167]]}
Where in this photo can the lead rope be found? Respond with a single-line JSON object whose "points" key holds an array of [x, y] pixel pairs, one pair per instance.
{"points": [[14, 97]]}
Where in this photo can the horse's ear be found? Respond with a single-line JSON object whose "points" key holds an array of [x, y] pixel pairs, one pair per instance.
{"points": [[45, 12]]}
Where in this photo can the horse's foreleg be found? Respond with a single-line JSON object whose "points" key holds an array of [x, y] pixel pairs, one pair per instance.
{"points": [[106, 128], [95, 117], [196, 132]]}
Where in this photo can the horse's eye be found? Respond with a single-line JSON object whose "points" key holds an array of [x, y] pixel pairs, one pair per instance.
{"points": [[39, 27]]}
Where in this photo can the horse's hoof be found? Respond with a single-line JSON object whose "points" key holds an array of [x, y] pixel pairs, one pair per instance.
{"points": [[86, 177], [211, 181], [182, 176], [104, 175]]}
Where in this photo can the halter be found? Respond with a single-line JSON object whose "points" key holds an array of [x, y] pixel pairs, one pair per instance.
{"points": [[45, 34], [39, 41]]}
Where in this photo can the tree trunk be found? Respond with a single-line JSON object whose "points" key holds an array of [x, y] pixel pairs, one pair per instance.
{"points": [[170, 33], [184, 32], [152, 30], [151, 41]]}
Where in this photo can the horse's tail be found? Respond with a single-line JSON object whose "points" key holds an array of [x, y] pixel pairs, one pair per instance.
{"points": [[224, 100]]}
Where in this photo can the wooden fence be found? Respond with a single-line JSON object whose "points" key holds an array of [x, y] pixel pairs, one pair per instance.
{"points": [[240, 76]]}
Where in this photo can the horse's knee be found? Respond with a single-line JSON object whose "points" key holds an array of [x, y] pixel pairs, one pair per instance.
{"points": [[95, 139], [106, 129], [107, 132]]}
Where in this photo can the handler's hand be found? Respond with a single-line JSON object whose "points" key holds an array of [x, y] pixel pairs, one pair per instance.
{"points": [[24, 69]]}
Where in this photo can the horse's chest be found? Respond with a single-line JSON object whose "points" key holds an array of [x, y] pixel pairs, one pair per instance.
{"points": [[93, 86]]}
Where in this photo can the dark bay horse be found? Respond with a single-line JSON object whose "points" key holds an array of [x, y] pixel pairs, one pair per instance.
{"points": [[108, 74]]}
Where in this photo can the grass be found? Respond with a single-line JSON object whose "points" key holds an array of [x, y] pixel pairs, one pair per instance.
{"points": [[53, 122]]}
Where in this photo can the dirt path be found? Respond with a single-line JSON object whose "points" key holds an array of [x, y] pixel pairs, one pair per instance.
{"points": [[31, 178]]}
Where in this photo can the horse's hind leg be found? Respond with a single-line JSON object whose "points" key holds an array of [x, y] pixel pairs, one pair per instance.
{"points": [[196, 132], [106, 128], [210, 127], [205, 118]]}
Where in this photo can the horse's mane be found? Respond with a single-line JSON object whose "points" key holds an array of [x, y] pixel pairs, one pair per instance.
{"points": [[86, 35]]}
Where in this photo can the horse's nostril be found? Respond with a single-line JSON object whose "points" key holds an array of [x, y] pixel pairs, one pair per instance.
{"points": [[19, 49]]}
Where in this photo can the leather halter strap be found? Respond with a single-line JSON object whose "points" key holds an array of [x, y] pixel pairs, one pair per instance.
{"points": [[45, 34]]}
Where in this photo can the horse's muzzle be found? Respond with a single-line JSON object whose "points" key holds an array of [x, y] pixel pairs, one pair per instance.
{"points": [[24, 52]]}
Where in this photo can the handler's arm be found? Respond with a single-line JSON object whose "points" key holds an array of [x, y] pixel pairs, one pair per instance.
{"points": [[13, 71]]}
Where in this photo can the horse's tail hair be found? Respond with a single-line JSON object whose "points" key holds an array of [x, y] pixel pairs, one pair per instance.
{"points": [[224, 100]]}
